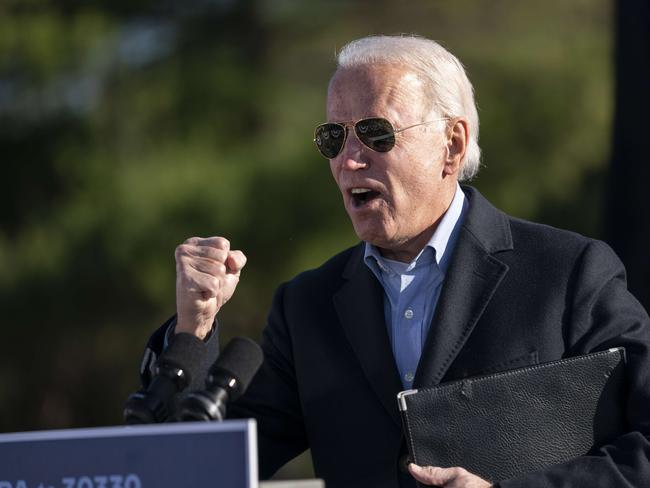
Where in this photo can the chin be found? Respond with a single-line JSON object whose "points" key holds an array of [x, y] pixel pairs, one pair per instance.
{"points": [[376, 237], [374, 231]]}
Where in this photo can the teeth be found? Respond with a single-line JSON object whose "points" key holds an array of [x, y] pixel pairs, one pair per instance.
{"points": [[356, 191]]}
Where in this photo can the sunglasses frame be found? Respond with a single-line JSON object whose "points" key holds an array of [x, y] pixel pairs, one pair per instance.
{"points": [[347, 125]]}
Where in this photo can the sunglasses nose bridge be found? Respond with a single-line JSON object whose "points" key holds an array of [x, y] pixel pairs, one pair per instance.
{"points": [[352, 141]]}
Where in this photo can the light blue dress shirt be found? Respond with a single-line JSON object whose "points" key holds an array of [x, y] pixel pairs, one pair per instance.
{"points": [[412, 289]]}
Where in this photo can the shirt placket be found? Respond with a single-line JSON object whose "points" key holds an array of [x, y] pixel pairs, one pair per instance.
{"points": [[408, 320]]}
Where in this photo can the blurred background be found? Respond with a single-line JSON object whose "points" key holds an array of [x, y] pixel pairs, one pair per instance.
{"points": [[126, 127]]}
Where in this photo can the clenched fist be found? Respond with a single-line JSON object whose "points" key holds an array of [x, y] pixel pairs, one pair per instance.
{"points": [[207, 273]]}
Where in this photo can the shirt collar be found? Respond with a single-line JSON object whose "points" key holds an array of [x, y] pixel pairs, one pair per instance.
{"points": [[439, 240]]}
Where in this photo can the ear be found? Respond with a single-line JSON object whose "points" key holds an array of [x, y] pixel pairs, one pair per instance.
{"points": [[457, 140]]}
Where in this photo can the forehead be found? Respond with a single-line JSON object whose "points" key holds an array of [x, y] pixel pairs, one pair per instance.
{"points": [[374, 90]]}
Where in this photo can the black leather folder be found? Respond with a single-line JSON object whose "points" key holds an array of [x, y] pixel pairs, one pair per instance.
{"points": [[504, 424]]}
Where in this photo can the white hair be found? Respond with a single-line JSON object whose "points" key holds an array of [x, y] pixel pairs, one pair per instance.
{"points": [[446, 83]]}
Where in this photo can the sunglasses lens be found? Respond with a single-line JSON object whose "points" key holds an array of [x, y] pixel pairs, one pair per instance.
{"points": [[376, 133], [329, 139]]}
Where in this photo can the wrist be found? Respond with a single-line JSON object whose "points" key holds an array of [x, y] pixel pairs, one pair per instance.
{"points": [[202, 330]]}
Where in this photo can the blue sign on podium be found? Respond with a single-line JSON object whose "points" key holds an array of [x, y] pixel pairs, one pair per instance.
{"points": [[174, 455]]}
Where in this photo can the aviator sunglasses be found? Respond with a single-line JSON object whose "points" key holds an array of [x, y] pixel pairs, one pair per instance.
{"points": [[376, 133]]}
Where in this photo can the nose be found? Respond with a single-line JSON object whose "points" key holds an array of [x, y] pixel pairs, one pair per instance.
{"points": [[352, 154]]}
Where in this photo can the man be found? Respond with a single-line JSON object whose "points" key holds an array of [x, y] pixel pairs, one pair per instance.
{"points": [[443, 286]]}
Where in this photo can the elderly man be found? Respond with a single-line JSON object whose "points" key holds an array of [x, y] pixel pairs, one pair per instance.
{"points": [[442, 286]]}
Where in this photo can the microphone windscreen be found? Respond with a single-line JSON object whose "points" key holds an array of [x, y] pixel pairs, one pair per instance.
{"points": [[186, 352], [240, 359]]}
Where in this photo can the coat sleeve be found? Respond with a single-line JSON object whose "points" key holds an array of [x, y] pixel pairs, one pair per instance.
{"points": [[156, 346], [601, 313], [272, 397]]}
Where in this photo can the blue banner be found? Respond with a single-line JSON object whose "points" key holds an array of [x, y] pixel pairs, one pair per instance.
{"points": [[176, 455]]}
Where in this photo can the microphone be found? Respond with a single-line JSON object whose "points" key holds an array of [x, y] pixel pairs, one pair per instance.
{"points": [[174, 371], [227, 380]]}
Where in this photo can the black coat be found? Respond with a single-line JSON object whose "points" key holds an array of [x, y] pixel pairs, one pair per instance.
{"points": [[515, 293]]}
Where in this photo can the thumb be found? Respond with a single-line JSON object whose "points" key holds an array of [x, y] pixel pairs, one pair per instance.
{"points": [[235, 262], [430, 475]]}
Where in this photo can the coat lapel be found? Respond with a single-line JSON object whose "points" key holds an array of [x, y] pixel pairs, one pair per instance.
{"points": [[473, 276], [360, 307]]}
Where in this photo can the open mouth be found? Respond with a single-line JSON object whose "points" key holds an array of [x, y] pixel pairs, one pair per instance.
{"points": [[361, 196]]}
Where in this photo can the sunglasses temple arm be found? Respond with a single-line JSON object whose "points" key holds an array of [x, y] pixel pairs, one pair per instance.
{"points": [[390, 134]]}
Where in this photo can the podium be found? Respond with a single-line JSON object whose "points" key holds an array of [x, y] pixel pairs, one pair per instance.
{"points": [[173, 455]]}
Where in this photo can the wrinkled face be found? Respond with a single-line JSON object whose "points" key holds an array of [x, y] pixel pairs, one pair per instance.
{"points": [[394, 199]]}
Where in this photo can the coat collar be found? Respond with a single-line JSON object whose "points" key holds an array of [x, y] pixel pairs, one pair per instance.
{"points": [[473, 275]]}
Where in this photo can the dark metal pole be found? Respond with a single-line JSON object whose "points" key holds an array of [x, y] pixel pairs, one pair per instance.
{"points": [[628, 206]]}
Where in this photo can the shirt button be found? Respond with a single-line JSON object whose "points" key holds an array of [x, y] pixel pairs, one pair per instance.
{"points": [[409, 377], [408, 314]]}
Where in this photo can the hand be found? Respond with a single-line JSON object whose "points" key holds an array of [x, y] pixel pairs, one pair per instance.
{"points": [[207, 273], [447, 477]]}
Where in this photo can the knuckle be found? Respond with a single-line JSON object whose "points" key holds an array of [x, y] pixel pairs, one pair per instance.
{"points": [[181, 250], [219, 255], [214, 284], [222, 243]]}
